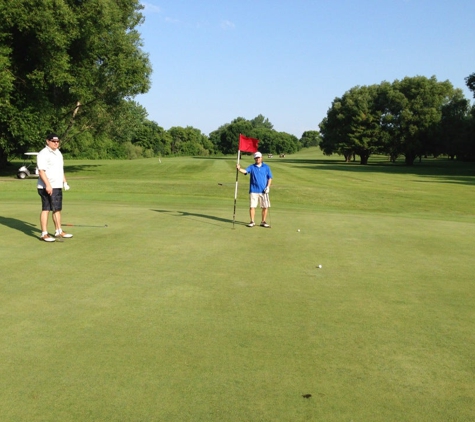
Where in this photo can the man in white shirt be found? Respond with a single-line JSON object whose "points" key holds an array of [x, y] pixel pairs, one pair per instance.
{"points": [[50, 184]]}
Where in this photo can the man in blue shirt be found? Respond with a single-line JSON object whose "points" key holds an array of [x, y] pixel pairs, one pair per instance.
{"points": [[260, 181]]}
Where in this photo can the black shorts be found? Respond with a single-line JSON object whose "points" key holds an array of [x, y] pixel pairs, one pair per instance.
{"points": [[53, 202]]}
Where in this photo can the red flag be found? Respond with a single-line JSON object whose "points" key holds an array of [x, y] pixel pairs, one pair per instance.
{"points": [[247, 144]]}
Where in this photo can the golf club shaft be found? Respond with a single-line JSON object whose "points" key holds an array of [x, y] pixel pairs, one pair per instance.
{"points": [[58, 238], [268, 208], [83, 225]]}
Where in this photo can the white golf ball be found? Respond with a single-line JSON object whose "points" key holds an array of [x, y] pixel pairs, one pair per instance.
{"points": [[298, 230], [320, 266]]}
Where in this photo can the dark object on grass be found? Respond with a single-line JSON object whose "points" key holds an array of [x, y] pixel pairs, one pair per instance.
{"points": [[306, 396]]}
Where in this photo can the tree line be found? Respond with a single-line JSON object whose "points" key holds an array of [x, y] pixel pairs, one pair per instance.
{"points": [[412, 117], [75, 67], [146, 139]]}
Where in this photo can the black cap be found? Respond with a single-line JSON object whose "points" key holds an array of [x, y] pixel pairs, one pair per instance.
{"points": [[52, 136]]}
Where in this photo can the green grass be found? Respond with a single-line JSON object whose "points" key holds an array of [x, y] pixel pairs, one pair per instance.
{"points": [[170, 314]]}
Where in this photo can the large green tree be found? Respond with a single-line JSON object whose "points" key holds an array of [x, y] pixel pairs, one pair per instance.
{"points": [[454, 127], [391, 103], [226, 137], [154, 138], [421, 114], [352, 125], [189, 141], [402, 118], [64, 66], [310, 138]]}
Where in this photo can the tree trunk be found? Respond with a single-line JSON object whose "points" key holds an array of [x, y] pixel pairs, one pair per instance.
{"points": [[409, 159], [71, 122], [364, 157], [3, 158]]}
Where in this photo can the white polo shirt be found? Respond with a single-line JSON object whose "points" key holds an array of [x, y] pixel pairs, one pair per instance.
{"points": [[52, 163]]}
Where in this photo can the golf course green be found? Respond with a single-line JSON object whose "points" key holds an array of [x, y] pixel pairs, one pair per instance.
{"points": [[161, 309]]}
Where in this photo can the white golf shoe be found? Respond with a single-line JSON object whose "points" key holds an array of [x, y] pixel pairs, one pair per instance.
{"points": [[47, 238], [63, 235]]}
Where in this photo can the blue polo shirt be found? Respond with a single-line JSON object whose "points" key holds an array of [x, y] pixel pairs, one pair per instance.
{"points": [[259, 177]]}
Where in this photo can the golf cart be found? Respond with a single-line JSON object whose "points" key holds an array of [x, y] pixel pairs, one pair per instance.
{"points": [[29, 168]]}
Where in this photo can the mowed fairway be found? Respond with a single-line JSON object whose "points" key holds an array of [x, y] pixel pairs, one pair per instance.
{"points": [[171, 314]]}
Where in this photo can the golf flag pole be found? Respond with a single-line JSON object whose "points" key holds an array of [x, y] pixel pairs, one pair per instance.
{"points": [[246, 144], [236, 187]]}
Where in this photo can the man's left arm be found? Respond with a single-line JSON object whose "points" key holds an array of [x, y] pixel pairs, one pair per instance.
{"points": [[65, 182]]}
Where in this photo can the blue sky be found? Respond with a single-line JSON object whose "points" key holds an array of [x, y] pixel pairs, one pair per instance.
{"points": [[215, 60]]}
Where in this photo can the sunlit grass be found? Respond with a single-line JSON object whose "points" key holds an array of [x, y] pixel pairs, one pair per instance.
{"points": [[171, 314]]}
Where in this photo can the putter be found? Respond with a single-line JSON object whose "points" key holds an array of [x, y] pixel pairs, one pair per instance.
{"points": [[268, 209], [58, 238]]}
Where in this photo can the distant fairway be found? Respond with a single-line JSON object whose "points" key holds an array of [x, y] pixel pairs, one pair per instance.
{"points": [[170, 314]]}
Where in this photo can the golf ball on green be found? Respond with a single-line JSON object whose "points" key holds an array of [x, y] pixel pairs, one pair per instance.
{"points": [[320, 266]]}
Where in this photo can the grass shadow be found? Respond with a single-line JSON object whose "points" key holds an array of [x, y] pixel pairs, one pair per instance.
{"points": [[200, 217], [73, 168], [22, 226], [10, 170]]}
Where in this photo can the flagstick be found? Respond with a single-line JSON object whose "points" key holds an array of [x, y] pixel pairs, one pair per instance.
{"points": [[236, 188]]}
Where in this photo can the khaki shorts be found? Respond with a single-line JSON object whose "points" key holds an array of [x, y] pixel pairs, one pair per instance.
{"points": [[259, 198]]}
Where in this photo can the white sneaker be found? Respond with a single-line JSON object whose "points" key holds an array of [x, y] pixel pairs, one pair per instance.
{"points": [[251, 224], [47, 238], [264, 224], [63, 235]]}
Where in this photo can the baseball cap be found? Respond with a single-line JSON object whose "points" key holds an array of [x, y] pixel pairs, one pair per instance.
{"points": [[52, 136], [257, 155]]}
